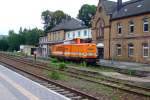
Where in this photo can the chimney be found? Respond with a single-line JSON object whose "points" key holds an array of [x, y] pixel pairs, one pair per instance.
{"points": [[119, 4]]}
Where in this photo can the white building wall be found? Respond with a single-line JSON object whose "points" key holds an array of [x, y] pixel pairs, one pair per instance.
{"points": [[75, 34], [26, 49], [43, 49]]}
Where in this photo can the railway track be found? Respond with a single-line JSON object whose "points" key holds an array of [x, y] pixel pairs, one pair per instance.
{"points": [[71, 93], [92, 78]]}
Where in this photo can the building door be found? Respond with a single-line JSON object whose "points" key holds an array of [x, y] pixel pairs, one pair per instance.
{"points": [[101, 53]]}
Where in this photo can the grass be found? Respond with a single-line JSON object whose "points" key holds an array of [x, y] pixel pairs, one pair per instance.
{"points": [[83, 64], [57, 64], [131, 72], [55, 75], [54, 60], [17, 54], [84, 85], [64, 64]]}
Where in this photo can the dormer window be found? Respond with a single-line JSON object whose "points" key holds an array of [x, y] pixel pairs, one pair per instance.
{"points": [[139, 6], [125, 10], [119, 28], [131, 27], [145, 25]]}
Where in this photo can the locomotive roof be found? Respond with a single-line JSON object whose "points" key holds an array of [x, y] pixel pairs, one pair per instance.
{"points": [[77, 44]]}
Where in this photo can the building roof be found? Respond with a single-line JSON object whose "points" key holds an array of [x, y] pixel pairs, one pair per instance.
{"points": [[109, 6], [69, 24], [132, 8]]}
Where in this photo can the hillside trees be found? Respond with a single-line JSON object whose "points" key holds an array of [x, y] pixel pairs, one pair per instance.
{"points": [[24, 37], [4, 44]]}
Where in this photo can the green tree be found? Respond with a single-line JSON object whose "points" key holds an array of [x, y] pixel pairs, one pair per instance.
{"points": [[14, 41], [32, 36], [51, 19], [86, 13], [47, 20], [4, 44], [24, 37]]}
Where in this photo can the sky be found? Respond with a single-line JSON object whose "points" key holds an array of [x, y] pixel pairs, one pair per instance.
{"points": [[27, 13]]}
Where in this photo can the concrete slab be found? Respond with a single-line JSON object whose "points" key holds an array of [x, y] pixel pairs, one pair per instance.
{"points": [[5, 93], [17, 87]]}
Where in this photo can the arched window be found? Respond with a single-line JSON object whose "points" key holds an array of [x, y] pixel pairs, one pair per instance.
{"points": [[101, 29]]}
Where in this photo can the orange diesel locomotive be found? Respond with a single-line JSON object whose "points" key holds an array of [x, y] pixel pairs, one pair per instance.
{"points": [[77, 51]]}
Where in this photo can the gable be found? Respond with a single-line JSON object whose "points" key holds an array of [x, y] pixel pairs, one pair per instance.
{"points": [[101, 15]]}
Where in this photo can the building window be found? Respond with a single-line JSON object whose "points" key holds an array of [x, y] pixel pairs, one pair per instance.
{"points": [[78, 33], [73, 35], [145, 50], [85, 32], [145, 25], [118, 50], [119, 28], [53, 37], [57, 36], [131, 27], [130, 50], [68, 35]]}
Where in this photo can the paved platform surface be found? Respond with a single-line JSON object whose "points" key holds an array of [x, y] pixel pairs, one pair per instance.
{"points": [[125, 65], [14, 86], [126, 77]]}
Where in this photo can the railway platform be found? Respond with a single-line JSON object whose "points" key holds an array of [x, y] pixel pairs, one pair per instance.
{"points": [[125, 65], [14, 86]]}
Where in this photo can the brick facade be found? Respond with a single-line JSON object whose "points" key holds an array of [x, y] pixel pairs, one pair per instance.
{"points": [[137, 38], [131, 46]]}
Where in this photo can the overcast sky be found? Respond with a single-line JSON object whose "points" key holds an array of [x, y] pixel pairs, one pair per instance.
{"points": [[27, 13]]}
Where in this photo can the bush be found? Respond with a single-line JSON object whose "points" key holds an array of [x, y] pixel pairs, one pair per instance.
{"points": [[62, 66], [131, 72], [55, 75], [84, 64], [54, 60]]}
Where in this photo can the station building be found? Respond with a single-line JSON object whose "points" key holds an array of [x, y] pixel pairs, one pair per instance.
{"points": [[123, 28]]}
